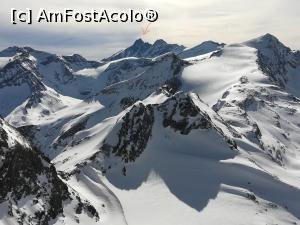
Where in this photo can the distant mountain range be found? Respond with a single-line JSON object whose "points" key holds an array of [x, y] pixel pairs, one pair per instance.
{"points": [[154, 134], [144, 49], [159, 47]]}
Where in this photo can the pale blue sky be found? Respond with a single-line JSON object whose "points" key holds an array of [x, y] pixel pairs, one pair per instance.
{"points": [[186, 22]]}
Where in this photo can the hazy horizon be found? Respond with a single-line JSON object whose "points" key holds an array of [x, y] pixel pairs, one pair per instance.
{"points": [[188, 23]]}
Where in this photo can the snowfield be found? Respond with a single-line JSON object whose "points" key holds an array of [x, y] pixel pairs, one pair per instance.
{"points": [[159, 134], [4, 61], [211, 78]]}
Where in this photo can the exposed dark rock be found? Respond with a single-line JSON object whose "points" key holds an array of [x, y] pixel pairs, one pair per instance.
{"points": [[251, 197], [273, 57], [171, 86], [86, 207], [75, 128], [128, 101], [184, 110], [78, 62], [133, 136], [25, 172], [144, 49], [20, 71]]}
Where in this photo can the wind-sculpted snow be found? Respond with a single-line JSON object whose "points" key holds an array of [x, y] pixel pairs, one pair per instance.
{"points": [[156, 140]]}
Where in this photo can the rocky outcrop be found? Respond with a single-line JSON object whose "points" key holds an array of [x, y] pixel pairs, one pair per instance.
{"points": [[273, 57], [31, 190], [181, 114], [133, 134]]}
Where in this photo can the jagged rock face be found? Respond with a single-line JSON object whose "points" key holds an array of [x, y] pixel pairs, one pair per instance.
{"points": [[25, 173], [31, 77], [160, 47], [35, 61], [130, 137], [273, 57], [19, 176], [27, 177], [19, 71], [20, 79], [12, 51], [273, 69], [51, 69], [144, 49], [75, 61], [21, 75], [133, 135], [184, 116], [127, 102]]}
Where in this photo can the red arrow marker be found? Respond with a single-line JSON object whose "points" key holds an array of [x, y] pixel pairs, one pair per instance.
{"points": [[145, 30]]}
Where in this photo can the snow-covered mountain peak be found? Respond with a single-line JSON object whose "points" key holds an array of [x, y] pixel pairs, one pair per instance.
{"points": [[268, 42], [160, 42], [145, 49], [12, 51], [139, 41], [267, 38], [275, 59], [74, 57], [25, 51]]}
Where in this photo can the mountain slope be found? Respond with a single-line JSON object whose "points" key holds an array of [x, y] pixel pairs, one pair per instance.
{"points": [[261, 171], [33, 70], [31, 191], [203, 48], [166, 140], [278, 61]]}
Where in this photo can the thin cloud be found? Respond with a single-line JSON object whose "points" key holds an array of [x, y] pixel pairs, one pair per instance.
{"points": [[186, 22]]}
